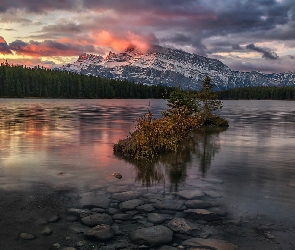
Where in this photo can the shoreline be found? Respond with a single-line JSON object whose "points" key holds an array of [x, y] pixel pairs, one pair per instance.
{"points": [[31, 212]]}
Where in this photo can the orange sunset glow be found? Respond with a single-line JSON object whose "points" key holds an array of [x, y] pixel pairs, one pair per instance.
{"points": [[52, 33]]}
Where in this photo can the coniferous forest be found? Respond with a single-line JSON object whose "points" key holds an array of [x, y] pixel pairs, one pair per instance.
{"points": [[20, 81], [258, 93]]}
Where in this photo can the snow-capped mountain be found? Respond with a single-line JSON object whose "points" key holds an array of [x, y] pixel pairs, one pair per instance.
{"points": [[171, 67]]}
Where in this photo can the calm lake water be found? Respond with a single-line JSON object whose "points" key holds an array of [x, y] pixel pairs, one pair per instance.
{"points": [[68, 143]]}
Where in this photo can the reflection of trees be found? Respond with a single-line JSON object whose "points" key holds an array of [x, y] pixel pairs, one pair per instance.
{"points": [[202, 145], [207, 146]]}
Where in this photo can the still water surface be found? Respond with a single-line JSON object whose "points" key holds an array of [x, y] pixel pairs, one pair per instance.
{"points": [[69, 143]]}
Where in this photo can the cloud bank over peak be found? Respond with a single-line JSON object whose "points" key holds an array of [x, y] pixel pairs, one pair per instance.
{"points": [[230, 30]]}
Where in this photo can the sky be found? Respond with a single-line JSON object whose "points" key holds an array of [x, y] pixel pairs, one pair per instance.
{"points": [[247, 35]]}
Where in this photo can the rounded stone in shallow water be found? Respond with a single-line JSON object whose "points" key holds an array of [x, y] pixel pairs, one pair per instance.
{"points": [[146, 208], [130, 204], [122, 217], [27, 236], [168, 248], [210, 243], [200, 204], [182, 226], [54, 219], [100, 232], [202, 214], [46, 231], [175, 205], [152, 236], [212, 194], [91, 200], [156, 218], [79, 212], [124, 196], [117, 189], [96, 219], [72, 218], [191, 194]]}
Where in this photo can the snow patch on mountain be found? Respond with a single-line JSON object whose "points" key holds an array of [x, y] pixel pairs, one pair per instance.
{"points": [[171, 67]]}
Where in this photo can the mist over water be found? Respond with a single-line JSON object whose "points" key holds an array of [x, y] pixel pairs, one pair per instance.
{"points": [[68, 143]]}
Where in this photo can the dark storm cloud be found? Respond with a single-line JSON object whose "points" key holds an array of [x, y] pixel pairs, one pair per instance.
{"points": [[38, 6], [205, 27], [236, 47], [4, 48], [266, 52], [178, 38], [49, 48]]}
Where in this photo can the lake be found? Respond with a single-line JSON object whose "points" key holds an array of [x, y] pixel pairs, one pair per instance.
{"points": [[67, 144]]}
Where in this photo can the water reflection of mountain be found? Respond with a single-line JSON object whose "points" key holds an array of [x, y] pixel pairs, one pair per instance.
{"points": [[199, 148]]}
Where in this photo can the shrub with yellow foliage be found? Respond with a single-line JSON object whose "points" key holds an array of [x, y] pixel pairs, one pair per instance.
{"points": [[187, 111]]}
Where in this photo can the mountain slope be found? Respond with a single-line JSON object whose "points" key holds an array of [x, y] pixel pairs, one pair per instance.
{"points": [[171, 67]]}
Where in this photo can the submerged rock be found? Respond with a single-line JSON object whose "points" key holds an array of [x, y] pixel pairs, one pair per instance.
{"points": [[96, 219], [170, 205], [191, 194], [27, 236], [100, 233], [46, 231], [201, 214], [209, 243], [156, 218], [182, 226], [199, 204], [117, 175], [130, 204], [124, 196], [152, 236]]}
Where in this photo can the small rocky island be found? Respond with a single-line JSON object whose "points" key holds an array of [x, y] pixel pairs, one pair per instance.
{"points": [[188, 111]]}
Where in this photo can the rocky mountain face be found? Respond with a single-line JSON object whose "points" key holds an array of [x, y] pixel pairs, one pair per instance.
{"points": [[171, 67]]}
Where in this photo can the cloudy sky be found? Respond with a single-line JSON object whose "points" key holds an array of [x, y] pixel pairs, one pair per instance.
{"points": [[244, 34]]}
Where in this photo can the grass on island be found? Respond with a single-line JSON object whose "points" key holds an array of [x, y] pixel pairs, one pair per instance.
{"points": [[187, 111]]}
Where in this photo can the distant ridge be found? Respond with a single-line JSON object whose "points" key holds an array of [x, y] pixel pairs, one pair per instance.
{"points": [[171, 67]]}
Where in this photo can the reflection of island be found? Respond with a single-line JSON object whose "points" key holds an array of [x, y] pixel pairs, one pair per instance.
{"points": [[201, 146]]}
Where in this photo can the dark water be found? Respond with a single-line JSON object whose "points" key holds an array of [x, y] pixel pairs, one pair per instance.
{"points": [[68, 143]]}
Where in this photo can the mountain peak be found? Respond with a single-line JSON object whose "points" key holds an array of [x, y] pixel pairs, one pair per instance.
{"points": [[169, 67]]}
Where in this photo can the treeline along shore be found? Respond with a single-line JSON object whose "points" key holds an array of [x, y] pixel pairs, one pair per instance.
{"points": [[20, 81], [38, 82], [258, 93]]}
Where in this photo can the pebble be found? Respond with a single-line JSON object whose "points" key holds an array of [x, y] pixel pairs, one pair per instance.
{"points": [[27, 236], [96, 219], [130, 204], [47, 231], [53, 219], [100, 232]]}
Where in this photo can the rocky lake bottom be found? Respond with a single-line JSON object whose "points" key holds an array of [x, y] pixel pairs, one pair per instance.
{"points": [[129, 216]]}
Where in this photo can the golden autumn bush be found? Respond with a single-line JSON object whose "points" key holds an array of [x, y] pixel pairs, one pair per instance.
{"points": [[187, 111]]}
